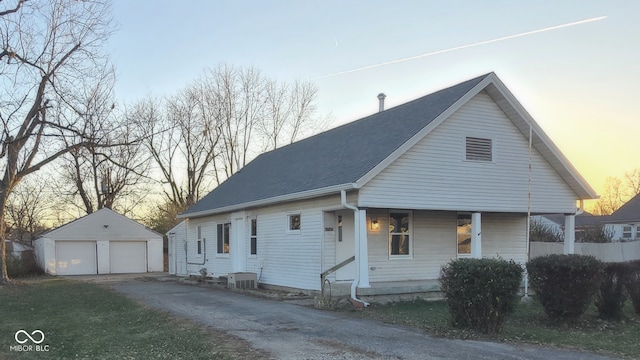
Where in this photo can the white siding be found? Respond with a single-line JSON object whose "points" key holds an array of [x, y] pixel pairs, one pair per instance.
{"points": [[434, 244], [283, 258], [435, 175]]}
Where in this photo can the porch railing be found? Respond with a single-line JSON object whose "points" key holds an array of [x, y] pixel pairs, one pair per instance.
{"points": [[323, 276]]}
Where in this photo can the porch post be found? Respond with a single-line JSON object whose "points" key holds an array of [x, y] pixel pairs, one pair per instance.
{"points": [[476, 235], [363, 253], [569, 234]]}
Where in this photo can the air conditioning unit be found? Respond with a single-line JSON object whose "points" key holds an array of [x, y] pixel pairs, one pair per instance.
{"points": [[242, 280]]}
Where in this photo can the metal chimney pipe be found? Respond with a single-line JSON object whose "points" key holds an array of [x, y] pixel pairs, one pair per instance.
{"points": [[381, 98]]}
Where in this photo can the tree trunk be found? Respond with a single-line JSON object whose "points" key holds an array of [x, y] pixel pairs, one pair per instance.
{"points": [[3, 247]]}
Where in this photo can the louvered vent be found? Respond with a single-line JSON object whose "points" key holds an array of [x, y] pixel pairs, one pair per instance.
{"points": [[479, 149]]}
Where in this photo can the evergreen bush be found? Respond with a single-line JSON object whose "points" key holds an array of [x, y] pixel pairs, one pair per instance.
{"points": [[633, 284], [480, 293], [565, 284], [611, 295]]}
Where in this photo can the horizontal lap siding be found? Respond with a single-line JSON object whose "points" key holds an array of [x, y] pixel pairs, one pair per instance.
{"points": [[218, 265], [292, 260], [504, 236], [434, 174], [434, 243]]}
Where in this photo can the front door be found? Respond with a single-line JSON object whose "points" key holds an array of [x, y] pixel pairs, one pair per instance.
{"points": [[345, 242], [238, 243]]}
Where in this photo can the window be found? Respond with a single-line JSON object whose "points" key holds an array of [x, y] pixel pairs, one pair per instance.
{"points": [[339, 228], [399, 233], [479, 149], [626, 232], [294, 222], [464, 234], [637, 231], [223, 238], [199, 242], [254, 236]]}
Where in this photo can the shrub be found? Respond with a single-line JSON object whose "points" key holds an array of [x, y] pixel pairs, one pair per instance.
{"points": [[539, 231], [480, 293], [565, 284], [25, 265], [611, 296], [594, 234], [633, 284]]}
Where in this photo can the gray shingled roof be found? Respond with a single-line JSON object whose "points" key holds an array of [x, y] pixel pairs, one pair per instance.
{"points": [[335, 157], [629, 212]]}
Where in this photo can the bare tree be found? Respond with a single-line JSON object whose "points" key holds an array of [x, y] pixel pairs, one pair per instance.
{"points": [[181, 139], [26, 210], [95, 176], [290, 113], [617, 192], [217, 124], [48, 49]]}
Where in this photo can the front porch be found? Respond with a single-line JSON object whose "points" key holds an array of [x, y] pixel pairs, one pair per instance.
{"points": [[388, 291]]}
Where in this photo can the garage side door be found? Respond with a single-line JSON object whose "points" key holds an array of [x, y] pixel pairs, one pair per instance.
{"points": [[76, 258], [128, 257]]}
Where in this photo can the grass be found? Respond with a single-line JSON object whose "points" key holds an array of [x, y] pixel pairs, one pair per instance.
{"points": [[86, 321], [528, 324]]}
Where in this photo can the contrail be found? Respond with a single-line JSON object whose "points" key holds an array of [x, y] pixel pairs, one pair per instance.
{"points": [[464, 46]]}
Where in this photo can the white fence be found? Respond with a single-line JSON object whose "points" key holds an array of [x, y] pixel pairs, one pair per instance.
{"points": [[607, 252]]}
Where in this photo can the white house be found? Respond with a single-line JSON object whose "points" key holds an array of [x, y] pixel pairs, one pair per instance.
{"points": [[624, 223], [403, 191], [103, 242]]}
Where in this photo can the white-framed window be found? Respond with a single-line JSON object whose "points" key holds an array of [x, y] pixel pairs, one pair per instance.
{"points": [[199, 242], [627, 231], [479, 149], [294, 223], [254, 237], [223, 238], [637, 231], [463, 233], [400, 233]]}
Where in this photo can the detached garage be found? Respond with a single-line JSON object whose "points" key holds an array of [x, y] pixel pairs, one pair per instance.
{"points": [[103, 242]]}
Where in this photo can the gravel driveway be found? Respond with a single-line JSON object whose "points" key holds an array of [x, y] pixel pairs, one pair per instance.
{"points": [[288, 331]]}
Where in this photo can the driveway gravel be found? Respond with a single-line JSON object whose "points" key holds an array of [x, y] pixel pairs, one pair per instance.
{"points": [[288, 331]]}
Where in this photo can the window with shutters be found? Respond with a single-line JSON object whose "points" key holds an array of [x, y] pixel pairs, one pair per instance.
{"points": [[479, 149]]}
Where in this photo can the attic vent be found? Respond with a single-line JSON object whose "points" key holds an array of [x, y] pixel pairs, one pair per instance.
{"points": [[479, 149]]}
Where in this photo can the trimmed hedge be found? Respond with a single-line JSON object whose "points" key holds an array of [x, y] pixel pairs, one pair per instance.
{"points": [[611, 295], [633, 284], [565, 284], [480, 293]]}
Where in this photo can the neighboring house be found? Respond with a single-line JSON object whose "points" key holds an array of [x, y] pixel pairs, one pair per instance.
{"points": [[103, 242], [404, 191], [583, 220], [16, 249], [624, 223]]}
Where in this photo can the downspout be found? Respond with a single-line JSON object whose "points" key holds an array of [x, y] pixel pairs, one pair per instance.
{"points": [[581, 208], [528, 232], [356, 220]]}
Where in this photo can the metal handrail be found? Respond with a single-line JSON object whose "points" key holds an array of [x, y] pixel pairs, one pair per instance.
{"points": [[323, 276]]}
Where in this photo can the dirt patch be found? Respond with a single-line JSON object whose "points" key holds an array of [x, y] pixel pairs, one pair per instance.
{"points": [[237, 348]]}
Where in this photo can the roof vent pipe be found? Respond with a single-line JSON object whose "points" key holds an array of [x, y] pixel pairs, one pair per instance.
{"points": [[381, 97]]}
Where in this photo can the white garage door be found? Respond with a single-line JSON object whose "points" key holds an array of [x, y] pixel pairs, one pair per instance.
{"points": [[128, 257], [76, 258]]}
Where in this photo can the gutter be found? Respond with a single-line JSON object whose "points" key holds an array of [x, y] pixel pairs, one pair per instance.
{"points": [[356, 217], [329, 190]]}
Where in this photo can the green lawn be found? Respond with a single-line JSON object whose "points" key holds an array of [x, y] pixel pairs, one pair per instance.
{"points": [[528, 324], [86, 321]]}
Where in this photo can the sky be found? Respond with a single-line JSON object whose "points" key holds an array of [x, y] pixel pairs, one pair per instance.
{"points": [[573, 65]]}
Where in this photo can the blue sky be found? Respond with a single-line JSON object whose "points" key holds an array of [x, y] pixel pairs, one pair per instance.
{"points": [[581, 83]]}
